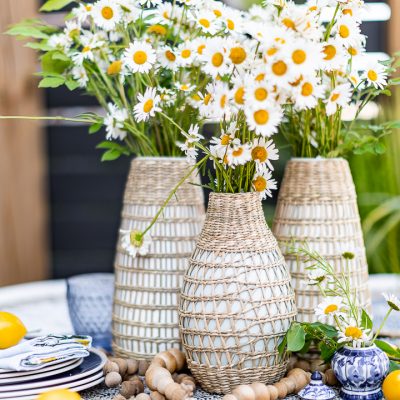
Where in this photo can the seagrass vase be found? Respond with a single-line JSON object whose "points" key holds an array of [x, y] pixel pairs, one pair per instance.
{"points": [[145, 314], [317, 207], [236, 302]]}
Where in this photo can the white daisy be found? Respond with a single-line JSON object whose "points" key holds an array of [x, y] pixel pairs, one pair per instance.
{"points": [[106, 14], [334, 57], [238, 54], [263, 183], [114, 122], [257, 92], [375, 75], [347, 31], [134, 243], [354, 335], [340, 96], [237, 153], [185, 54], [232, 20], [167, 58], [219, 146], [80, 75], [264, 118], [220, 99], [280, 71], [215, 58], [392, 300], [305, 55], [139, 57], [82, 12], [147, 105], [262, 152], [329, 308], [315, 277], [60, 41], [185, 87], [306, 94], [207, 21]]}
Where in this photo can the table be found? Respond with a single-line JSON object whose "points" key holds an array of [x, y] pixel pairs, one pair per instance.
{"points": [[43, 308]]}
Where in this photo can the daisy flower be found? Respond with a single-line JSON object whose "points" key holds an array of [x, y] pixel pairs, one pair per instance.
{"points": [[329, 308], [166, 13], [219, 146], [305, 55], [237, 53], [375, 75], [185, 87], [237, 153], [347, 31], [185, 54], [264, 118], [263, 183], [147, 105], [190, 151], [219, 106], [60, 41], [257, 91], [306, 94], [134, 243], [80, 75], [232, 20], [82, 12], [316, 277], [262, 152], [114, 122], [106, 14], [354, 335], [392, 300], [280, 71], [139, 57], [214, 58], [334, 56], [238, 91], [167, 58], [206, 21], [340, 96]]}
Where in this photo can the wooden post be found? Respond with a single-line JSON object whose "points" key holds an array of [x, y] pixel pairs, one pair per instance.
{"points": [[394, 27], [23, 211]]}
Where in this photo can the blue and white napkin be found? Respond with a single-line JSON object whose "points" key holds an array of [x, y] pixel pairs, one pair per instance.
{"points": [[43, 351]]}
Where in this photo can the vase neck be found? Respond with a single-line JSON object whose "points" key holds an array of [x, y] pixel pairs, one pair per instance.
{"points": [[236, 223]]}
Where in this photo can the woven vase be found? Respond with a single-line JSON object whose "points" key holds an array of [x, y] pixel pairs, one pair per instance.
{"points": [[236, 302], [145, 315], [317, 207]]}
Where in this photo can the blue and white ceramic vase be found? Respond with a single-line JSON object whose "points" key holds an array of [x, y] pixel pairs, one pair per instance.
{"points": [[361, 372]]}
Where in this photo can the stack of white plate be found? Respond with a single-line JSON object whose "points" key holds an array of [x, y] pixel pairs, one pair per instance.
{"points": [[77, 374]]}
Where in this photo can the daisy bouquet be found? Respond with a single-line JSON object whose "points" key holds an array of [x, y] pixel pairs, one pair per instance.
{"points": [[140, 59], [315, 57], [342, 321]]}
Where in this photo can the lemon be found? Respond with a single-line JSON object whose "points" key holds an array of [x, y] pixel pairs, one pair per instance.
{"points": [[391, 386], [59, 394], [12, 330]]}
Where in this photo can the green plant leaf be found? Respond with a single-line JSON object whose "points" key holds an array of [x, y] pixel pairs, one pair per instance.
{"points": [[296, 337], [393, 366], [111, 155], [387, 348], [366, 321], [57, 55], [27, 31], [71, 84], [38, 46], [282, 346], [95, 128], [326, 351], [51, 65], [52, 82], [54, 5]]}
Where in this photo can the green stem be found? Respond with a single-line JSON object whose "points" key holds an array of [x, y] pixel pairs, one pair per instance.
{"points": [[58, 118], [382, 324]]}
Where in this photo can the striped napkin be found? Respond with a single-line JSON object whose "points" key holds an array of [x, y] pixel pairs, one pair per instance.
{"points": [[43, 351]]}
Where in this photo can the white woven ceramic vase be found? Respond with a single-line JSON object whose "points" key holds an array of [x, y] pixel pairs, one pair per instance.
{"points": [[236, 302], [145, 314], [317, 207]]}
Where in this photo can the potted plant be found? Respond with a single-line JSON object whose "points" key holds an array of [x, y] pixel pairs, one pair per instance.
{"points": [[344, 333]]}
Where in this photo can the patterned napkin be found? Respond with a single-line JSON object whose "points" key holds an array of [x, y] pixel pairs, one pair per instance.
{"points": [[43, 351]]}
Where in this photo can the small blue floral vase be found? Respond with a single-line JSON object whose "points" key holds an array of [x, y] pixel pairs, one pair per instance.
{"points": [[361, 372]]}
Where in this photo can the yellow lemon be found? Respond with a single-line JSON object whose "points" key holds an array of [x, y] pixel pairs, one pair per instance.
{"points": [[59, 394], [391, 386], [12, 330]]}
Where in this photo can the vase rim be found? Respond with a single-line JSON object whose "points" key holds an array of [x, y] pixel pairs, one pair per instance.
{"points": [[233, 194], [373, 346], [160, 158], [316, 159]]}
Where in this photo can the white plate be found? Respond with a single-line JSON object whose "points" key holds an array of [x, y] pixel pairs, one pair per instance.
{"points": [[6, 373], [38, 375], [87, 383]]}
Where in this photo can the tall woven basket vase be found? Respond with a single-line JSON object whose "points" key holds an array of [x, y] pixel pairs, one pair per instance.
{"points": [[145, 314], [236, 302], [317, 207]]}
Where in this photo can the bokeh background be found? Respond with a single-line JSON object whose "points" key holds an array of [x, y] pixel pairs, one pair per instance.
{"points": [[60, 206]]}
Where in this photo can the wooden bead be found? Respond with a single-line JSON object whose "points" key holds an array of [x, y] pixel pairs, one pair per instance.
{"points": [[282, 389], [131, 388], [133, 366], [273, 392], [244, 392], [142, 396], [169, 359], [156, 396], [142, 367], [229, 397], [113, 379], [180, 358], [110, 366], [304, 365], [118, 397], [260, 390], [153, 372], [318, 365], [163, 383], [295, 371], [175, 392], [331, 377], [301, 381], [290, 384], [122, 365], [133, 378]]}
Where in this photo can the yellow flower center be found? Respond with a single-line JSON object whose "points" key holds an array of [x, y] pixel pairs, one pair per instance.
{"points": [[260, 94], [238, 152], [335, 96], [372, 75], [352, 51], [186, 53], [114, 68], [260, 184], [353, 332], [225, 140], [107, 12], [330, 52], [170, 56], [239, 95], [313, 8], [259, 153], [222, 101], [157, 29], [165, 15], [237, 55], [86, 49], [289, 23], [348, 11], [331, 308], [204, 22], [207, 99], [271, 51], [140, 57], [148, 105], [217, 59], [196, 97], [279, 68], [88, 8], [184, 87], [201, 48], [230, 24], [344, 31], [261, 117], [136, 238], [307, 89], [217, 13], [299, 56], [260, 77], [74, 32]]}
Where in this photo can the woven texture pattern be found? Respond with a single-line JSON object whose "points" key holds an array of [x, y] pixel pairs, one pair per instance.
{"points": [[317, 206], [236, 302], [145, 317]]}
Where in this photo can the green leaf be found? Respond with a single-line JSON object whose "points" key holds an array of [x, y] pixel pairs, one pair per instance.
{"points": [[54, 5], [366, 321], [52, 82], [38, 46], [296, 337], [95, 128], [27, 31], [71, 84], [57, 55], [51, 65], [380, 148], [111, 155], [329, 330], [393, 366], [282, 346], [387, 348], [326, 351]]}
